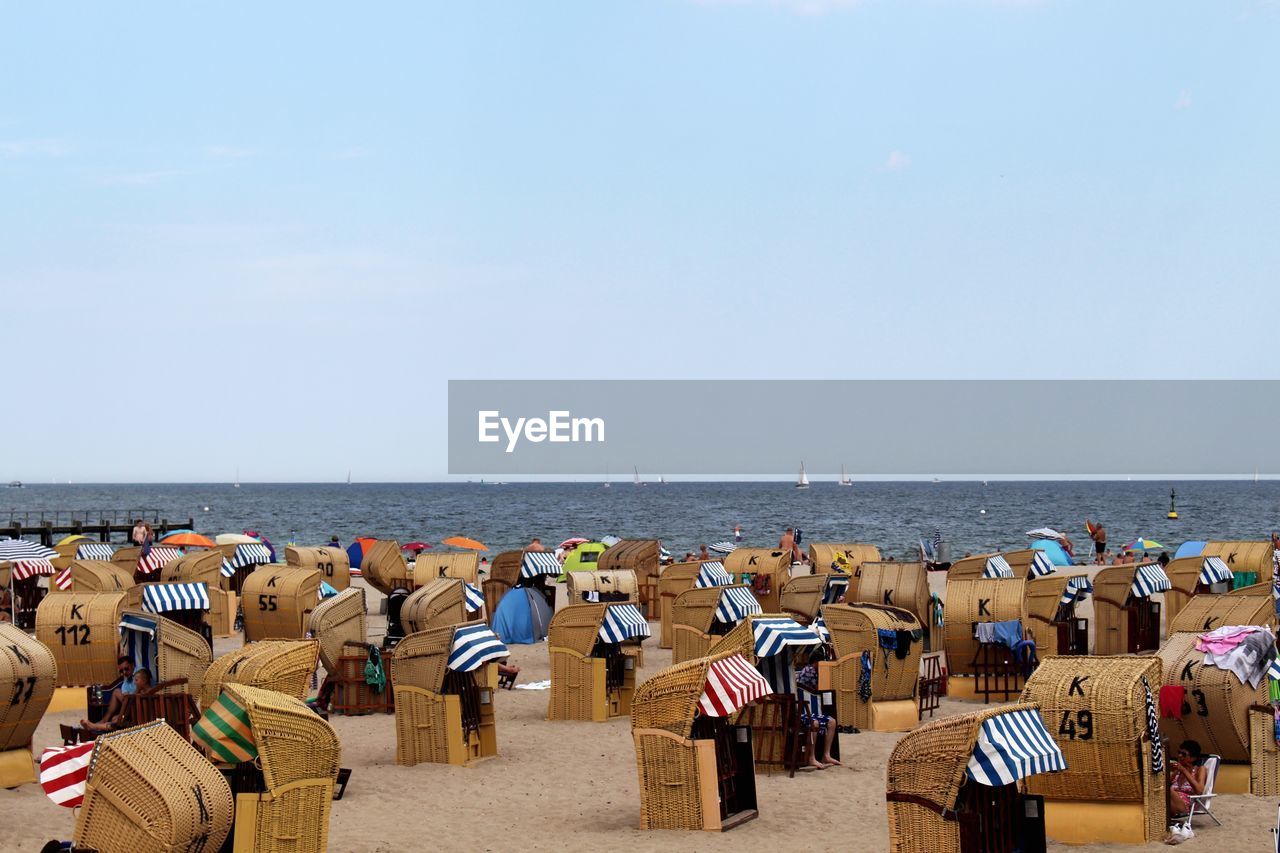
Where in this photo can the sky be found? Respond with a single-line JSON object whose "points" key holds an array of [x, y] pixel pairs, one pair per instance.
{"points": [[265, 236]]}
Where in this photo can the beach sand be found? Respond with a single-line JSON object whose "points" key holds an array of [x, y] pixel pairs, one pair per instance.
{"points": [[573, 786]]}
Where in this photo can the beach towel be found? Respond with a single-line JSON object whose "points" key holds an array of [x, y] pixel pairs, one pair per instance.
{"points": [[1248, 659], [902, 644], [375, 675], [864, 678], [1153, 730], [1009, 633], [1171, 698]]}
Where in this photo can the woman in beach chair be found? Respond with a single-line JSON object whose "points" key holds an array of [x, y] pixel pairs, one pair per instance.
{"points": [[1187, 777], [115, 709]]}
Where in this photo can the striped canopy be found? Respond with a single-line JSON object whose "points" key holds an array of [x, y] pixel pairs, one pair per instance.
{"points": [[95, 551], [224, 730], [712, 573], [623, 622], [997, 567], [736, 604], [1215, 571], [723, 547], [1011, 746], [474, 597], [1148, 580], [247, 554], [837, 586], [774, 634], [1041, 565], [474, 646], [823, 632], [732, 684], [64, 772], [21, 549], [163, 597], [537, 563], [157, 557], [1273, 671], [63, 579], [1077, 588], [137, 636], [23, 569]]}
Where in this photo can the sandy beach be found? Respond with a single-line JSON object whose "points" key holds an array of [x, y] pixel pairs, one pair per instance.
{"points": [[558, 785]]}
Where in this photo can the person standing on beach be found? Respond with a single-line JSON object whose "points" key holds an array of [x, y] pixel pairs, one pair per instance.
{"points": [[788, 543], [139, 534], [535, 545]]}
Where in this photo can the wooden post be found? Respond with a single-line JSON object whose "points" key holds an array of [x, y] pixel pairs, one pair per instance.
{"points": [[46, 535]]}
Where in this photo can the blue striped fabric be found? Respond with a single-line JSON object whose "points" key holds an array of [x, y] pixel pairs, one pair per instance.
{"points": [[474, 597], [997, 567], [537, 563], [1273, 671], [247, 554], [137, 635], [1041, 565], [1148, 580], [780, 672], [774, 634], [1215, 571], [623, 622], [95, 551], [712, 573], [1077, 588], [821, 627], [837, 585], [473, 646], [163, 597], [723, 547], [1012, 746], [736, 604]]}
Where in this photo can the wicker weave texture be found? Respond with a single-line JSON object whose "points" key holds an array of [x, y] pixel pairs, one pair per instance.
{"points": [[848, 555], [99, 576], [277, 602], [80, 628], [854, 630], [383, 567], [337, 621], [611, 582], [180, 653], [150, 791], [28, 670], [772, 570], [692, 613], [429, 567], [904, 585], [420, 659], [802, 596], [1264, 765], [283, 666], [1044, 596], [668, 783], [675, 579], [333, 564], [1244, 556], [197, 567], [1216, 708], [439, 602], [1110, 593], [420, 726], [978, 600], [1208, 612]]}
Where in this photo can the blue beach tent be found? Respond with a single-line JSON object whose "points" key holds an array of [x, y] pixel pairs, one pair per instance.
{"points": [[522, 617], [1190, 549], [1053, 550]]}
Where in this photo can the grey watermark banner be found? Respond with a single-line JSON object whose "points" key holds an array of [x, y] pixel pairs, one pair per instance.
{"points": [[925, 427]]}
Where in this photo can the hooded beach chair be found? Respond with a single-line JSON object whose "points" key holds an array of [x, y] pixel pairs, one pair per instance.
{"points": [[595, 653], [701, 614], [27, 669], [284, 666]]}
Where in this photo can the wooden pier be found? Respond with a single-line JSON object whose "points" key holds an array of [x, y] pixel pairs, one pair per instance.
{"points": [[51, 525]]}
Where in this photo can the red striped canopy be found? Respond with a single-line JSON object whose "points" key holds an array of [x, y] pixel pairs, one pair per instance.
{"points": [[23, 569], [732, 683], [63, 579], [156, 558], [64, 772]]}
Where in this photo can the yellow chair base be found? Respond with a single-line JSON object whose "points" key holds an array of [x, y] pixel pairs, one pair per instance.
{"points": [[16, 768], [901, 715], [68, 699], [1232, 779], [963, 689], [1091, 822]]}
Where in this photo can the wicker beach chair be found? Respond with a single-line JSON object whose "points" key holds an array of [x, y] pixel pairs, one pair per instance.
{"points": [[464, 566], [284, 666], [1096, 709], [642, 556], [593, 674], [842, 557], [696, 769], [942, 799], [802, 596], [96, 576], [769, 570], [504, 574], [1207, 612], [438, 602], [1125, 622], [674, 580], [28, 669], [855, 636], [384, 568], [337, 621], [445, 681], [150, 791], [619, 586], [694, 620], [1251, 561], [897, 584], [81, 630], [974, 600], [333, 564], [1051, 616], [278, 601]]}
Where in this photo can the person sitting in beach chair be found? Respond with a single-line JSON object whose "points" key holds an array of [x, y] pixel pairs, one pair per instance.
{"points": [[1187, 777], [813, 721], [115, 708]]}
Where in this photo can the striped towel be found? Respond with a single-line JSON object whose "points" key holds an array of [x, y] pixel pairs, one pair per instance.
{"points": [[64, 772], [224, 731]]}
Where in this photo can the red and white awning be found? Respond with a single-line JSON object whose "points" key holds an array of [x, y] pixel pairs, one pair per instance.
{"points": [[64, 772], [732, 684], [156, 558], [23, 569]]}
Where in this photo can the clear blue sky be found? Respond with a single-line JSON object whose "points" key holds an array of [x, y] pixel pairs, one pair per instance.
{"points": [[294, 222]]}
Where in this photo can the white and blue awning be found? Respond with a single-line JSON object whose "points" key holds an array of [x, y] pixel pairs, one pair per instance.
{"points": [[1041, 565], [713, 573], [163, 597], [1215, 571], [821, 627], [473, 596], [138, 622], [997, 567], [1149, 579], [474, 646], [138, 637], [1077, 588], [736, 604], [623, 622], [21, 549], [95, 551], [723, 547], [1012, 746], [774, 634], [536, 563], [247, 554], [837, 586], [1273, 671]]}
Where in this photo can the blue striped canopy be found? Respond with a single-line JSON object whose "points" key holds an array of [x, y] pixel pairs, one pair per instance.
{"points": [[537, 563], [137, 635], [780, 672], [723, 547], [474, 597], [736, 604], [1273, 671], [95, 551], [1041, 565], [1011, 746], [163, 597], [1148, 580], [821, 627], [474, 646], [712, 573], [774, 634], [1077, 588], [623, 622], [1215, 571], [997, 567], [247, 554], [837, 585]]}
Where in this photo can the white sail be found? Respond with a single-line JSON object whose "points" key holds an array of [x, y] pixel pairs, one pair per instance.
{"points": [[844, 477], [237, 483], [638, 481], [803, 482]]}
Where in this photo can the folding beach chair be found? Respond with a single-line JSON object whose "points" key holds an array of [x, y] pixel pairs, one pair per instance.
{"points": [[1200, 803]]}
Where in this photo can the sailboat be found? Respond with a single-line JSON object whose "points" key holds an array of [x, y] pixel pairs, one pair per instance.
{"points": [[1255, 476], [803, 482], [638, 481], [844, 478], [348, 476], [607, 484], [237, 482], [662, 481]]}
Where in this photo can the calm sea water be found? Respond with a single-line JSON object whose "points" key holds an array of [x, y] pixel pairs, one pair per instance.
{"points": [[683, 515]]}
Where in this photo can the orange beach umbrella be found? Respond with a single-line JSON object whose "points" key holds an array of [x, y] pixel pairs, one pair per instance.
{"points": [[464, 542], [188, 539]]}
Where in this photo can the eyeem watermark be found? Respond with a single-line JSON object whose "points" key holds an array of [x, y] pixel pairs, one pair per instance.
{"points": [[559, 426]]}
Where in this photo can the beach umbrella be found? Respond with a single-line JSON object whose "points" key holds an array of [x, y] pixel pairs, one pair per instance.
{"points": [[464, 542], [74, 537], [723, 547], [357, 549], [415, 546], [264, 540], [569, 543], [185, 539], [21, 549], [1045, 533], [178, 530], [1141, 544], [233, 539]]}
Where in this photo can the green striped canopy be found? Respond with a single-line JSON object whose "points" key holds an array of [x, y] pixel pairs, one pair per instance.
{"points": [[224, 731]]}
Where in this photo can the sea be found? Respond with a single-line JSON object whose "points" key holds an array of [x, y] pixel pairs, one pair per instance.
{"points": [[972, 516]]}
